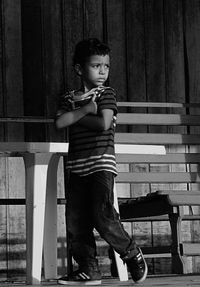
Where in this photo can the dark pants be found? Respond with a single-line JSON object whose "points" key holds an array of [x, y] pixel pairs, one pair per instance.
{"points": [[90, 205]]}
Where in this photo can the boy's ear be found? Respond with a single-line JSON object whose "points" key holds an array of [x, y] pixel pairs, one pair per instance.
{"points": [[78, 69]]}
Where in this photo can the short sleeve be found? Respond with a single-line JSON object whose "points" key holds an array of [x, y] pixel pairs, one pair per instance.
{"points": [[65, 104], [107, 100]]}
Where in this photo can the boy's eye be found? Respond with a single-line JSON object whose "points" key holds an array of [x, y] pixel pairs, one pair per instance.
{"points": [[95, 66]]}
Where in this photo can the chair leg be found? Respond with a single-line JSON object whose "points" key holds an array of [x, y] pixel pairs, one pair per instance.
{"points": [[36, 166], [50, 228], [69, 253], [178, 262]]}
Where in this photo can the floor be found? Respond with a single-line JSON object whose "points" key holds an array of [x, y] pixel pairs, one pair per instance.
{"points": [[151, 281]]}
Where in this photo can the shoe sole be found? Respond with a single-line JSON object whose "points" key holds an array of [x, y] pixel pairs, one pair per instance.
{"points": [[80, 283]]}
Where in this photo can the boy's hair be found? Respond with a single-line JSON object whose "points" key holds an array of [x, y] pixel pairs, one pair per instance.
{"points": [[87, 48]]}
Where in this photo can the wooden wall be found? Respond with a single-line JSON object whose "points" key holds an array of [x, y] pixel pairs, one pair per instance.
{"points": [[155, 57]]}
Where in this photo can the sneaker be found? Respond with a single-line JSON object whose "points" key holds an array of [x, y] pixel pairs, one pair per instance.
{"points": [[79, 277], [137, 266]]}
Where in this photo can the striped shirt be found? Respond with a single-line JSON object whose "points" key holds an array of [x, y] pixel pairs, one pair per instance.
{"points": [[91, 151]]}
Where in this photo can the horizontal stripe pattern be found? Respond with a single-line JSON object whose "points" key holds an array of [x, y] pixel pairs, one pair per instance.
{"points": [[92, 151], [93, 164]]}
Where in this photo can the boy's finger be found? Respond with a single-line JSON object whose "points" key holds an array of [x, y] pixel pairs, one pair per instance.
{"points": [[94, 97]]}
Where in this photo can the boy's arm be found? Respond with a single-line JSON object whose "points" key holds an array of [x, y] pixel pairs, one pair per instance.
{"points": [[71, 117], [100, 122], [106, 109]]}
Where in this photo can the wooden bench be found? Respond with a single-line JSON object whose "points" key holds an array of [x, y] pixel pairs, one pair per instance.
{"points": [[171, 181]]}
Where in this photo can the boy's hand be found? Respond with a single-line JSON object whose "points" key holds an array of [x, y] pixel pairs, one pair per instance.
{"points": [[91, 107], [95, 91]]}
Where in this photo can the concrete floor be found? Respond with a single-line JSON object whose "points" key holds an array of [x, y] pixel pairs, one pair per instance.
{"points": [[151, 281]]}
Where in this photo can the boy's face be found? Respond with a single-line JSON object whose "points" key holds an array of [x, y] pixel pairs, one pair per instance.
{"points": [[95, 71]]}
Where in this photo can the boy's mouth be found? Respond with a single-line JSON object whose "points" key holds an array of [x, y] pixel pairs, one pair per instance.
{"points": [[101, 80]]}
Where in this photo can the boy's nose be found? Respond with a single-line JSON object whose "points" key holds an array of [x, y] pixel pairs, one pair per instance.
{"points": [[102, 70]]}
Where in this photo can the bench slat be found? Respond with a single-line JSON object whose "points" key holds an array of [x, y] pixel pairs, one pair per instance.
{"points": [[190, 249], [156, 138], [158, 119], [157, 105], [161, 218], [168, 158], [176, 199], [154, 177]]}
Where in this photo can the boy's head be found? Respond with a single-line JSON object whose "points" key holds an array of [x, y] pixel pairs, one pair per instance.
{"points": [[92, 62], [89, 47]]}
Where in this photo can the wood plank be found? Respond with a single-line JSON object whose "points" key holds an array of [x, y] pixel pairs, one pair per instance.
{"points": [[192, 23], [168, 158], [156, 138], [175, 192], [16, 219], [53, 77], [13, 67], [178, 200], [114, 14], [175, 66], [162, 218], [192, 52], [156, 250], [162, 177], [157, 104], [72, 32], [3, 222], [174, 51], [14, 105], [93, 19], [2, 80], [157, 119], [154, 50], [123, 118], [33, 69], [135, 45], [28, 119], [191, 249]]}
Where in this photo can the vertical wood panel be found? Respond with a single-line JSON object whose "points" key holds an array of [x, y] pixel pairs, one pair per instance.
{"points": [[117, 42], [15, 132], [192, 28], [3, 162], [155, 81], [12, 93], [72, 33], [136, 54], [174, 51], [53, 79], [16, 218], [34, 96], [174, 69], [2, 87], [13, 67], [93, 19], [3, 220], [192, 51], [154, 47]]}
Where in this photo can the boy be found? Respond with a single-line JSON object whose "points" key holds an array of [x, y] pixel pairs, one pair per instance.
{"points": [[90, 112]]}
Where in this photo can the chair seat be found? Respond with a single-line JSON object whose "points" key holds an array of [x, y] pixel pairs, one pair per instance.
{"points": [[156, 203]]}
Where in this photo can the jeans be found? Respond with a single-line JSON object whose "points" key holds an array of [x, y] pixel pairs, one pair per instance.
{"points": [[90, 205]]}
